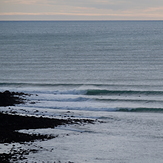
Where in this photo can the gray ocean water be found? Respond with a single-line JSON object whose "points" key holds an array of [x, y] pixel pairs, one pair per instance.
{"points": [[95, 67], [118, 62]]}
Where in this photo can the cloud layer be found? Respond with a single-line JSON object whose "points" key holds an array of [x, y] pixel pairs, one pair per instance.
{"points": [[81, 9]]}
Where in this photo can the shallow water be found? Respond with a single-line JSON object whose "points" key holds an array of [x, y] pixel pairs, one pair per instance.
{"points": [[125, 137]]}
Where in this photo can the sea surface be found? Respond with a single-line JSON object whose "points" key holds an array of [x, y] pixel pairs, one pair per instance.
{"points": [[106, 70]]}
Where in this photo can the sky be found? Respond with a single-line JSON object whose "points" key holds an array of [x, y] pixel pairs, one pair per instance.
{"points": [[81, 9]]}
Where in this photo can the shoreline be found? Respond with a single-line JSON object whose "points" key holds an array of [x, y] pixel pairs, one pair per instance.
{"points": [[10, 124]]}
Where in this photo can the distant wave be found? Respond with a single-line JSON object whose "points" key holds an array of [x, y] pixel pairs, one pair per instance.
{"points": [[98, 92], [38, 84], [98, 109], [128, 100], [122, 92], [72, 84], [78, 99], [160, 110], [83, 89]]}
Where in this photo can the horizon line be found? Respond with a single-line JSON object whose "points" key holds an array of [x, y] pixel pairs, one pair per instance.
{"points": [[79, 20]]}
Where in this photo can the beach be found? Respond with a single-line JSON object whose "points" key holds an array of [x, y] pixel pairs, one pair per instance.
{"points": [[10, 123]]}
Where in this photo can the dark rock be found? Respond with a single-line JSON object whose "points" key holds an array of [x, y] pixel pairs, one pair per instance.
{"points": [[11, 98]]}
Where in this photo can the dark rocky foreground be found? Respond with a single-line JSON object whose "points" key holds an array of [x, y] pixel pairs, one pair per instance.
{"points": [[10, 124], [11, 98]]}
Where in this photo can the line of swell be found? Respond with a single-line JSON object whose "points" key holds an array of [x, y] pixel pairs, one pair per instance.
{"points": [[160, 110], [129, 100], [68, 84], [38, 84], [122, 92]]}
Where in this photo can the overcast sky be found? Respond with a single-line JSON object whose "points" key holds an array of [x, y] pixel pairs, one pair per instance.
{"points": [[81, 9]]}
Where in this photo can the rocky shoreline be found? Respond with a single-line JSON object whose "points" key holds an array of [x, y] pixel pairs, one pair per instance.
{"points": [[8, 98], [11, 123]]}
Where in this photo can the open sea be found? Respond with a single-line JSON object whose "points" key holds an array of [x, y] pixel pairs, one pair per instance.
{"points": [[106, 70]]}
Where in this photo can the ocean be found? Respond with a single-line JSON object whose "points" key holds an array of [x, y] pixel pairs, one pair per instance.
{"points": [[106, 70]]}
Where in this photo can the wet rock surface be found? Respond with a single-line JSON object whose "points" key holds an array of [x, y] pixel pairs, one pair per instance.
{"points": [[11, 98]]}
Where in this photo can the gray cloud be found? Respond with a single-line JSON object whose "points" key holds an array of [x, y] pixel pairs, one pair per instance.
{"points": [[80, 9], [109, 4]]}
